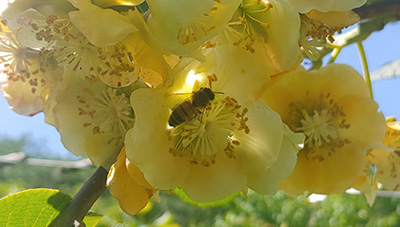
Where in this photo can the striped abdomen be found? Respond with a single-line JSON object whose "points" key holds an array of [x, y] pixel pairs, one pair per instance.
{"points": [[182, 113]]}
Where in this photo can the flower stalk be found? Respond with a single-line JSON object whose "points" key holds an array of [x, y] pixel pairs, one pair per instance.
{"points": [[334, 54], [365, 69], [83, 200]]}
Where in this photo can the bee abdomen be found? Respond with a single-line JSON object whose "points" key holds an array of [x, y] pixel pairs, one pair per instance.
{"points": [[182, 113]]}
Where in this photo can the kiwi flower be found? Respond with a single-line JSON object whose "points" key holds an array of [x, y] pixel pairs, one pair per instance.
{"points": [[332, 107], [93, 118], [382, 166], [233, 143], [182, 26], [267, 29], [28, 78]]}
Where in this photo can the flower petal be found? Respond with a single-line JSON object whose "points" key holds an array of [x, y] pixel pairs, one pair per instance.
{"points": [[197, 21], [114, 27], [266, 182], [259, 149], [147, 144], [304, 6], [131, 196], [210, 183]]}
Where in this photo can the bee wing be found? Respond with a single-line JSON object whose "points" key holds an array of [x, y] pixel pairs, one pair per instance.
{"points": [[179, 98]]}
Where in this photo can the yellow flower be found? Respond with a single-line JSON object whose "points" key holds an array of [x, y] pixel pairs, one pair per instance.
{"points": [[19, 12], [182, 26], [102, 27], [389, 168], [319, 27], [118, 65], [128, 186], [93, 118], [386, 163], [233, 143], [267, 29], [28, 78], [332, 107]]}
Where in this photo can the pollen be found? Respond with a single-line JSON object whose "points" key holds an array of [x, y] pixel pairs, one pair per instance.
{"points": [[107, 112], [202, 139], [114, 65], [321, 121]]}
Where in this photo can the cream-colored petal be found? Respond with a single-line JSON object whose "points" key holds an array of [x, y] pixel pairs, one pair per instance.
{"points": [[214, 182], [46, 7], [81, 128], [362, 111], [239, 73], [282, 39], [259, 149], [197, 21], [266, 181], [304, 6], [335, 19], [154, 69], [114, 27], [147, 144]]}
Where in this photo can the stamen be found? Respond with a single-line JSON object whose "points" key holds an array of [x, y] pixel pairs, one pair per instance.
{"points": [[320, 120], [210, 132], [109, 112]]}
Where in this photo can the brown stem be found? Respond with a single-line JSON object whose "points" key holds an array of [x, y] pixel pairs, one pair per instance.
{"points": [[82, 201], [386, 8]]}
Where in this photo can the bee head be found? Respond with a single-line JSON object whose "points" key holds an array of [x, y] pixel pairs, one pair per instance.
{"points": [[207, 91]]}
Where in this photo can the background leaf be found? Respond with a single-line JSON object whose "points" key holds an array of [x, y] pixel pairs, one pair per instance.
{"points": [[92, 219], [388, 71], [182, 195], [33, 207], [37, 207]]}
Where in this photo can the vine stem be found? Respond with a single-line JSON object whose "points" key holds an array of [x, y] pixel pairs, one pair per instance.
{"points": [[334, 54], [77, 208], [364, 65], [383, 8]]}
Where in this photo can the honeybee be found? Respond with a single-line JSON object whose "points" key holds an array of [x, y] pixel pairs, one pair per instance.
{"points": [[190, 108]]}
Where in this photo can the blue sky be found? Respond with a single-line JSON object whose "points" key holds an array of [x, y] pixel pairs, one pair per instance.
{"points": [[381, 47]]}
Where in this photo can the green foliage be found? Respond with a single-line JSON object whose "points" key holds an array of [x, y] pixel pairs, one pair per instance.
{"points": [[34, 207], [171, 211], [182, 195], [37, 207], [9, 145]]}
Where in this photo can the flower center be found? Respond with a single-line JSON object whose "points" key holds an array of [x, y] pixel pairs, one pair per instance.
{"points": [[114, 65], [109, 112], [199, 28], [321, 121], [14, 56], [318, 127], [313, 36], [210, 132], [250, 20]]}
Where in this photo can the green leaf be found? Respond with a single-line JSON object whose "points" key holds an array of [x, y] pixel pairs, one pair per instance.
{"points": [[33, 207], [182, 195], [92, 219], [37, 207], [388, 71]]}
